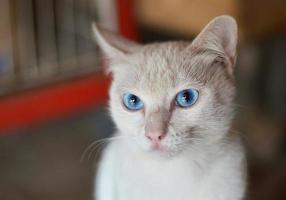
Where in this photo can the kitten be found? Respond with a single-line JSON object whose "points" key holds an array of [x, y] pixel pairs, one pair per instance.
{"points": [[172, 103]]}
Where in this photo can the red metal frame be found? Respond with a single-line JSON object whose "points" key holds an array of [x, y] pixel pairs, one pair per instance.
{"points": [[126, 19], [56, 101]]}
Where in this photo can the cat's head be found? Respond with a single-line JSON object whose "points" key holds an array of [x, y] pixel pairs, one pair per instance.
{"points": [[173, 96]]}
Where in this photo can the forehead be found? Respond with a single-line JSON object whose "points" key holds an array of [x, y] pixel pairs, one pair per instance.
{"points": [[158, 68]]}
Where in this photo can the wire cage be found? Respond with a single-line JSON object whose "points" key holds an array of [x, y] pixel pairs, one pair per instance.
{"points": [[43, 41]]}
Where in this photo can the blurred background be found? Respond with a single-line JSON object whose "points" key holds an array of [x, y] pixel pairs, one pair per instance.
{"points": [[53, 93]]}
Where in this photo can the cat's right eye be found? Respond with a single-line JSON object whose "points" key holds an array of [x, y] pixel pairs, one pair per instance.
{"points": [[132, 102]]}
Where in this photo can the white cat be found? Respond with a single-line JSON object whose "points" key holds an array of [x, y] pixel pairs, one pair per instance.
{"points": [[172, 104]]}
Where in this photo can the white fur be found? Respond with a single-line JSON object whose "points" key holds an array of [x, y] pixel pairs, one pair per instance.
{"points": [[125, 174], [202, 159]]}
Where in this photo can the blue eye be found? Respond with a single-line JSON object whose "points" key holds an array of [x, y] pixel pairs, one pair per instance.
{"points": [[132, 102], [187, 98]]}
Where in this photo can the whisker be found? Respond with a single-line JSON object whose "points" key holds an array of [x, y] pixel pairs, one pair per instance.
{"points": [[97, 152], [95, 144], [90, 147], [95, 149]]}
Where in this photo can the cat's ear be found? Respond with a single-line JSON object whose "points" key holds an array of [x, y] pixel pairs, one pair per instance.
{"points": [[219, 35], [114, 46]]}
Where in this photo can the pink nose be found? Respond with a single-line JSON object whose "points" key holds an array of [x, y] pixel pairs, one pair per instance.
{"points": [[155, 136]]}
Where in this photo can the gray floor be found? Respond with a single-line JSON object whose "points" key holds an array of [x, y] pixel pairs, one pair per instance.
{"points": [[44, 163]]}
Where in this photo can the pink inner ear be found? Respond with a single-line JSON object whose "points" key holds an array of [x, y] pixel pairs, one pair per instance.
{"points": [[221, 32], [112, 44]]}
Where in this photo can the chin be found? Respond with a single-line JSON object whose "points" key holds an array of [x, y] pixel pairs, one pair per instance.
{"points": [[162, 152]]}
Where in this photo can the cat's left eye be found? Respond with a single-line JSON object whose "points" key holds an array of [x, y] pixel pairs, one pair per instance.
{"points": [[132, 102], [187, 98]]}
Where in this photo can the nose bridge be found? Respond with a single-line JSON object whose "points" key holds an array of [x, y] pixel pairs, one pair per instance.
{"points": [[157, 121]]}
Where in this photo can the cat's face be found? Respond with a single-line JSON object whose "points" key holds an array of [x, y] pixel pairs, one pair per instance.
{"points": [[169, 97]]}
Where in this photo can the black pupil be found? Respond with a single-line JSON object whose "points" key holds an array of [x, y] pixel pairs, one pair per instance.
{"points": [[186, 96], [133, 100]]}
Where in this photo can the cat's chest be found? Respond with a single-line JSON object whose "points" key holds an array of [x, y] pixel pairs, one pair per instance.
{"points": [[147, 178]]}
